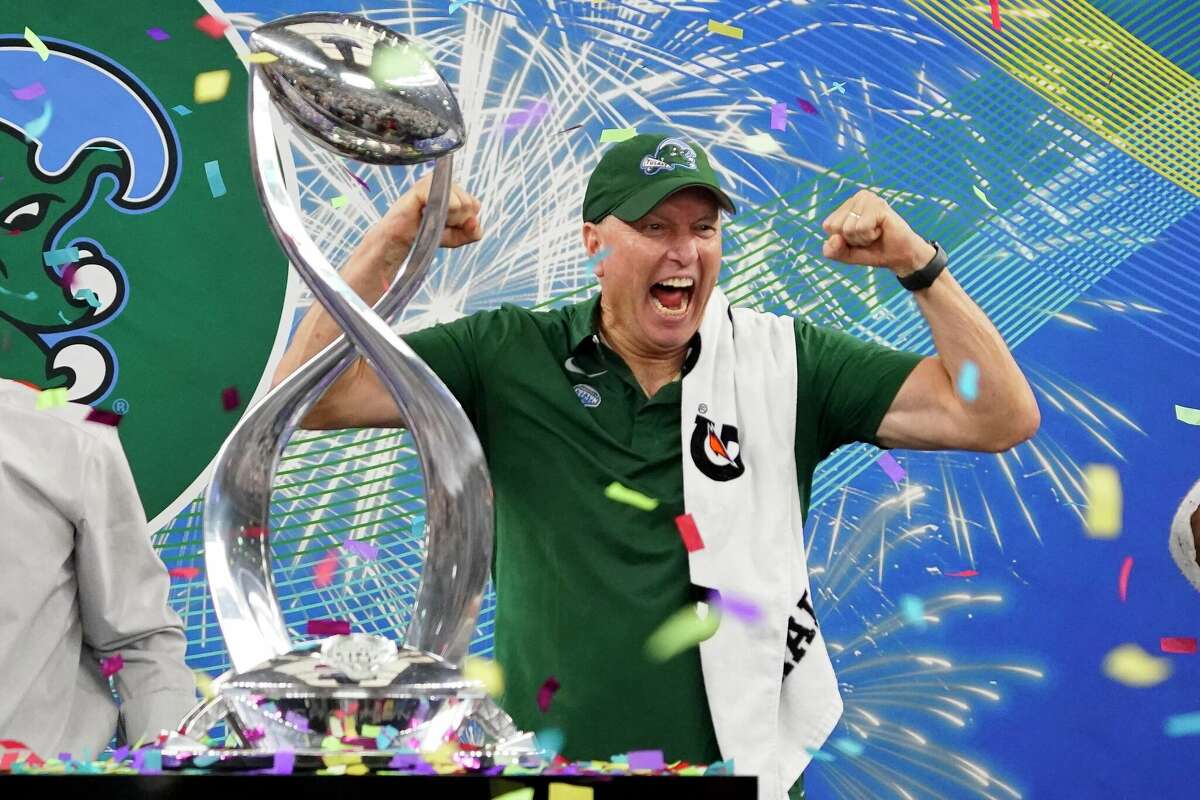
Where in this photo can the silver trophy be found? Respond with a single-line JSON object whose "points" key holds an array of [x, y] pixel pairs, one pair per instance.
{"points": [[371, 94]]}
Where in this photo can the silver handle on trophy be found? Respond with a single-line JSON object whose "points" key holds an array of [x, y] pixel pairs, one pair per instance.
{"points": [[321, 81]]}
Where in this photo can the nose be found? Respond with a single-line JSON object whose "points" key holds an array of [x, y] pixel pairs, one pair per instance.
{"points": [[684, 249]]}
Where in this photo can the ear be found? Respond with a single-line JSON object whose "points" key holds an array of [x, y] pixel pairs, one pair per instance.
{"points": [[592, 244]]}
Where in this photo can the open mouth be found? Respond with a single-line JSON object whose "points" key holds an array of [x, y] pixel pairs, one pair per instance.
{"points": [[672, 297]]}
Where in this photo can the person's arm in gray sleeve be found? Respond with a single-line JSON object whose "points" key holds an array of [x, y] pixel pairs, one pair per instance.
{"points": [[1185, 536], [123, 589]]}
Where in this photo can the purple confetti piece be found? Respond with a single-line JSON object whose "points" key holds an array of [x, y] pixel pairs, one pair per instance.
{"points": [[779, 117], [892, 467], [533, 115], [139, 759], [30, 92], [805, 106], [297, 721], [646, 759], [121, 753], [285, 761], [745, 610], [362, 549], [361, 182], [158, 34]]}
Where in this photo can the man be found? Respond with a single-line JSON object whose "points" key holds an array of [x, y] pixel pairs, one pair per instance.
{"points": [[80, 586], [1185, 536], [568, 401]]}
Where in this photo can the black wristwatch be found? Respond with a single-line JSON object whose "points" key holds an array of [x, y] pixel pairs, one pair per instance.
{"points": [[926, 275]]}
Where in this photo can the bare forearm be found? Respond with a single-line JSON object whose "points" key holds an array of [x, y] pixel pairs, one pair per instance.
{"points": [[962, 333]]}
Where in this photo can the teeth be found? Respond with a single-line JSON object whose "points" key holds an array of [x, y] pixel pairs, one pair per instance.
{"points": [[671, 312], [680, 283]]}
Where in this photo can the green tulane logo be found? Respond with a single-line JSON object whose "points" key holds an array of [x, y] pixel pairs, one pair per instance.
{"points": [[122, 278]]}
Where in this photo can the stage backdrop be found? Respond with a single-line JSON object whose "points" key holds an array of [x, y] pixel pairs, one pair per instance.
{"points": [[1053, 147]]}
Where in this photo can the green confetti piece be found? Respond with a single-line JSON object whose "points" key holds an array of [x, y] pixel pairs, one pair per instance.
{"points": [[617, 134], [623, 494], [983, 197], [399, 61], [52, 398], [681, 631], [1189, 416], [37, 44], [339, 201]]}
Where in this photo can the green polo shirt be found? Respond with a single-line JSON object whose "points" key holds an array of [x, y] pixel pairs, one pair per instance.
{"points": [[582, 581]]}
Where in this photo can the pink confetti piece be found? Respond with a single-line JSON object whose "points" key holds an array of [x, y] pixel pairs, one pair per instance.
{"points": [[996, 14], [363, 550], [323, 571], [1123, 579], [327, 627], [112, 665], [212, 26], [104, 417], [689, 533], [892, 467], [255, 532], [187, 573], [158, 34], [546, 693], [805, 106], [1184, 645], [646, 759], [966, 573], [779, 117], [30, 92], [229, 398]]}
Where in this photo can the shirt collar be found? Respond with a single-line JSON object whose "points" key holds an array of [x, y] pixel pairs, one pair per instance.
{"points": [[584, 325]]}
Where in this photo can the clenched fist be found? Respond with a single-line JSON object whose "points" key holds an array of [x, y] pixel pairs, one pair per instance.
{"points": [[401, 221], [865, 230]]}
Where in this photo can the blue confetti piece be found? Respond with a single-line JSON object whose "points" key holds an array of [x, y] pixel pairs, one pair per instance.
{"points": [[850, 747], [182, 110], [819, 755], [1183, 724], [216, 184], [63, 255], [36, 127], [204, 761], [152, 761], [913, 610], [88, 296], [551, 739], [601, 254], [968, 381], [418, 525]]}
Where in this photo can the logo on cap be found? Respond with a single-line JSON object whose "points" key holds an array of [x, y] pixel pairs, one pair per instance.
{"points": [[669, 154]]}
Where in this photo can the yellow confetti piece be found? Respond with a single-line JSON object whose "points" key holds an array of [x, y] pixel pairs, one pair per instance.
{"points": [[1190, 416], [617, 134], [399, 62], [339, 769], [260, 58], [339, 201], [487, 672], [681, 631], [722, 29], [762, 143], [52, 398], [1103, 487], [204, 685], [566, 791], [211, 86], [623, 494], [341, 759], [1133, 666], [358, 769], [516, 794], [371, 731], [37, 44]]}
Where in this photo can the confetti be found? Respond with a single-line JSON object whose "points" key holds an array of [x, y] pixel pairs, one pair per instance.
{"points": [[112, 665], [546, 693], [296, 720], [339, 201], [1123, 578], [212, 26], [254, 532], [572, 128], [1103, 486], [819, 755], [37, 44], [913, 610], [30, 92], [361, 182], [210, 86], [761, 143], [364, 550], [849, 747], [1190, 416], [284, 762], [1182, 645], [187, 573], [151, 761], [51, 398], [968, 381], [566, 791], [805, 106], [722, 29], [398, 61], [745, 610], [457, 4], [1133, 666], [531, 116], [965, 573], [995, 14], [550, 740], [983, 197], [158, 34], [601, 254], [182, 111], [1182, 724], [646, 759], [229, 398], [689, 533], [63, 255], [327, 627], [485, 671], [324, 569], [623, 494], [36, 127], [617, 134], [892, 467], [88, 296], [105, 417], [216, 184], [681, 631], [260, 58], [516, 794], [839, 87], [779, 117]]}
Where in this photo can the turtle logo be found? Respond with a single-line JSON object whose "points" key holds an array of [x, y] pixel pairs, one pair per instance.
{"points": [[59, 291], [669, 154], [717, 456]]}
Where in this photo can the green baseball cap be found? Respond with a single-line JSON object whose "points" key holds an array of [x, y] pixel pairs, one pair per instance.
{"points": [[639, 173]]}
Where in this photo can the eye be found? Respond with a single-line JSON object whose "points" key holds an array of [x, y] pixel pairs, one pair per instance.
{"points": [[27, 213]]}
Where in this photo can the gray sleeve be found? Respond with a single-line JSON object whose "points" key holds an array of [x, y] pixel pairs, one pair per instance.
{"points": [[1182, 542], [123, 589]]}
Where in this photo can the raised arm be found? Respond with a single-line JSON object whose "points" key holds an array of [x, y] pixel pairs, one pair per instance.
{"points": [[927, 413], [357, 398]]}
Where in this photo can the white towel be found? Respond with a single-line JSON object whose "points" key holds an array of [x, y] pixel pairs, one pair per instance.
{"points": [[771, 686]]}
